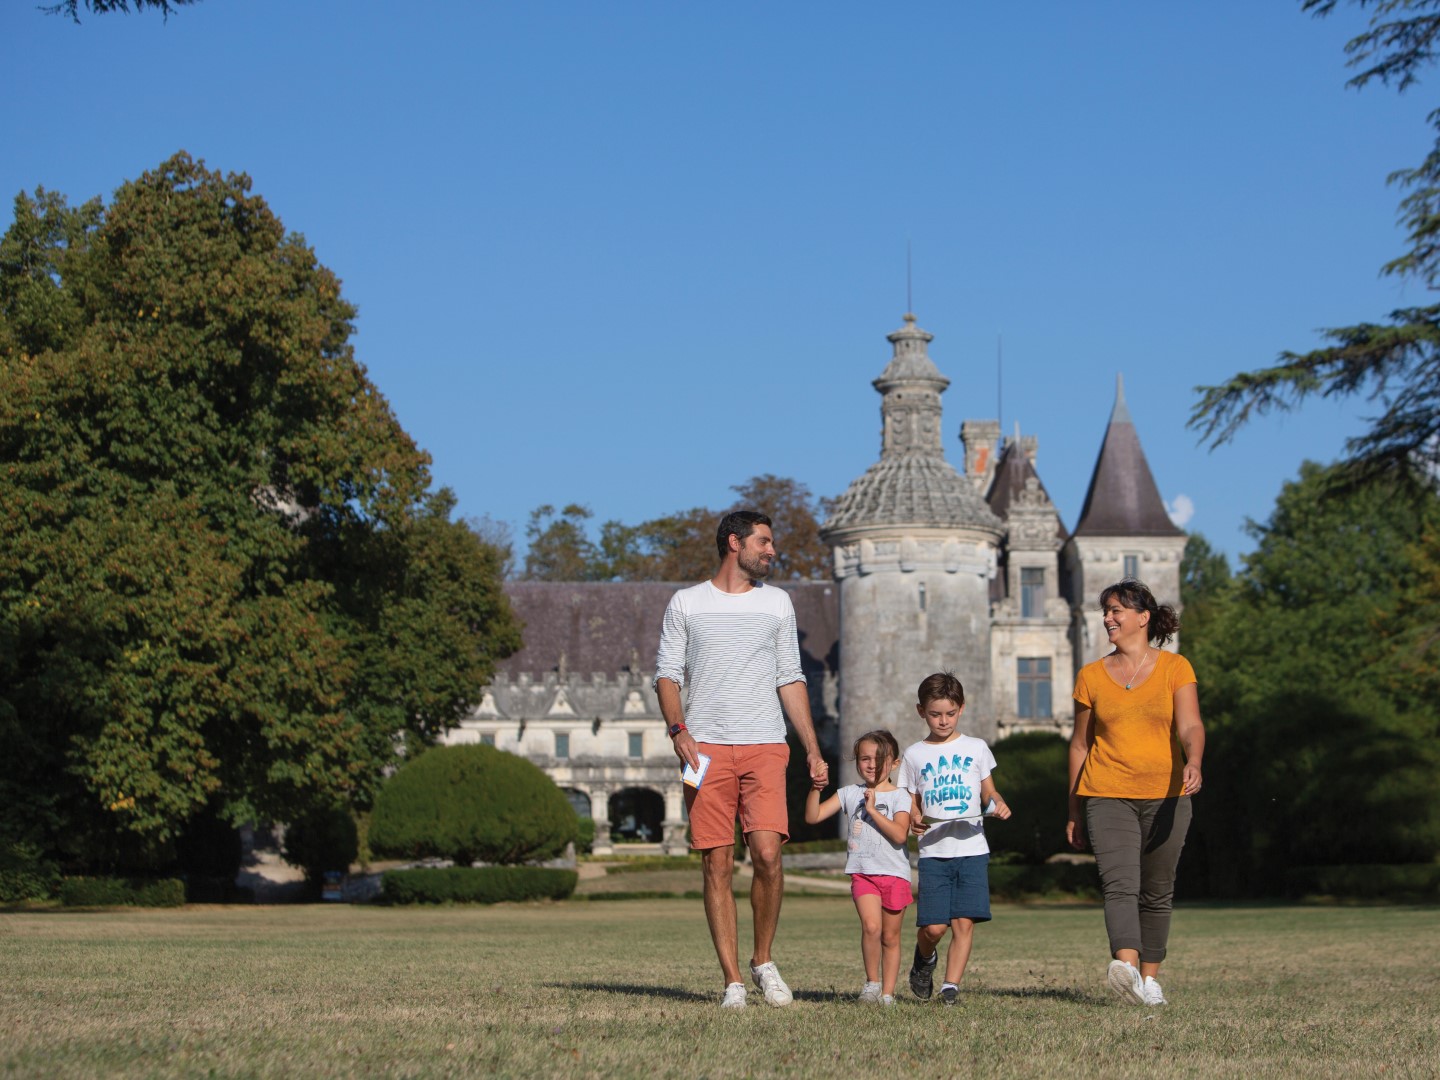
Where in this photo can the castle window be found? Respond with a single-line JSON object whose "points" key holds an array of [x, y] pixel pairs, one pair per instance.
{"points": [[1132, 566], [487, 739], [1032, 592], [637, 744], [562, 744], [1032, 676]]}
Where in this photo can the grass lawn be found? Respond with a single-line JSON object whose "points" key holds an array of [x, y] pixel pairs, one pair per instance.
{"points": [[630, 988]]}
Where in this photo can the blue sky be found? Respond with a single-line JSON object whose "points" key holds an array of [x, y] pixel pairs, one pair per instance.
{"points": [[629, 254]]}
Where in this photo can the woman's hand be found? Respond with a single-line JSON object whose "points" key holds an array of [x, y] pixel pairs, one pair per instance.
{"points": [[1190, 779], [1075, 833]]}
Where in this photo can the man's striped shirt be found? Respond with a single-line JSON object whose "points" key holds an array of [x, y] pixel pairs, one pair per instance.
{"points": [[732, 652]]}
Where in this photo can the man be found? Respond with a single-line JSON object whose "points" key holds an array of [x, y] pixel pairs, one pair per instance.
{"points": [[732, 641]]}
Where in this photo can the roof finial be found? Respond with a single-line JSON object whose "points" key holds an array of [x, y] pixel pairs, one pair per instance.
{"points": [[1121, 413]]}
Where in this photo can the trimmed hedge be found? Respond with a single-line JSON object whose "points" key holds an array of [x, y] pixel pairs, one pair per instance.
{"points": [[1016, 880], [25, 874], [122, 892], [323, 839], [476, 884], [471, 804], [1404, 881]]}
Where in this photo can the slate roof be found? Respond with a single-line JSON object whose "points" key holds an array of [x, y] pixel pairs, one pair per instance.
{"points": [[1123, 499], [608, 626], [1011, 473]]}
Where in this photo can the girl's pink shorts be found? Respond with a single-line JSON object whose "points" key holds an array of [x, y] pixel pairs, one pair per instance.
{"points": [[894, 892]]}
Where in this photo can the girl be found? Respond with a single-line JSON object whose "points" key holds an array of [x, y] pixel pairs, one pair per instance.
{"points": [[878, 864]]}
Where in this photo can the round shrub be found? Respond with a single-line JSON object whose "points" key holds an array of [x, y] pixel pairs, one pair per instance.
{"points": [[322, 840], [471, 804]]}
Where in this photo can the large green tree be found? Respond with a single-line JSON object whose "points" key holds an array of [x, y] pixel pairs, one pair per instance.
{"points": [[224, 578], [1323, 748], [1395, 361]]}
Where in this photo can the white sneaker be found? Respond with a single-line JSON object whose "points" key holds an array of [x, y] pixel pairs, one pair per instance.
{"points": [[887, 999], [767, 978], [1124, 979], [1152, 993], [870, 994], [734, 996]]}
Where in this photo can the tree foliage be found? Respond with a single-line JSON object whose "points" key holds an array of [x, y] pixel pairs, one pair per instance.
{"points": [[101, 7], [679, 546], [1395, 362], [1324, 746], [223, 574]]}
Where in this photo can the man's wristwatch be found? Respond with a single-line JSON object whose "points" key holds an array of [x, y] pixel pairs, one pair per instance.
{"points": [[675, 729]]}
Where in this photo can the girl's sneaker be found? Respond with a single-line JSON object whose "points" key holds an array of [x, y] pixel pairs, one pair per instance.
{"points": [[734, 996], [887, 999], [1152, 992], [870, 994], [1125, 980]]}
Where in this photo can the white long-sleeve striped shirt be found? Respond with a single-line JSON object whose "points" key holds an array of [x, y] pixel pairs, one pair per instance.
{"points": [[733, 651]]}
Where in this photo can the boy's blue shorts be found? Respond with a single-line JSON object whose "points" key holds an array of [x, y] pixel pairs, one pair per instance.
{"points": [[954, 889]]}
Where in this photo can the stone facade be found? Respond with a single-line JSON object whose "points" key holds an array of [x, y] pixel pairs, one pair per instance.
{"points": [[934, 569]]}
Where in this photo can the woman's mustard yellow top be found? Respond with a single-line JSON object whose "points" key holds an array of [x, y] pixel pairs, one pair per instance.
{"points": [[1134, 751]]}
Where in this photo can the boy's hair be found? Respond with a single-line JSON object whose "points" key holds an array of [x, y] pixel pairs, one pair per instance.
{"points": [[940, 686], [740, 524], [885, 742]]}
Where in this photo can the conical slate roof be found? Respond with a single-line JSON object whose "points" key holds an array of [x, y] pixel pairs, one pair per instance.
{"points": [[1123, 499], [912, 483], [1012, 473]]}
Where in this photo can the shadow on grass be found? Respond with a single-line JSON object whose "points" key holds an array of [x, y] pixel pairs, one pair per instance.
{"points": [[1049, 993], [633, 990]]}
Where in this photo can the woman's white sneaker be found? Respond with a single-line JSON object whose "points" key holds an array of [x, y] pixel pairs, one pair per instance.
{"points": [[870, 994], [1152, 993], [1124, 979]]}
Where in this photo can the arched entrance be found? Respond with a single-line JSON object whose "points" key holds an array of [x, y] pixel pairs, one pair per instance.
{"points": [[637, 815], [578, 800]]}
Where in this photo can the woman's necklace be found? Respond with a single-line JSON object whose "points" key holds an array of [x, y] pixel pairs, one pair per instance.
{"points": [[1136, 673]]}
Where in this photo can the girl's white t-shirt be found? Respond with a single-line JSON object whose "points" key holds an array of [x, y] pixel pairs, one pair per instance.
{"points": [[871, 852]]}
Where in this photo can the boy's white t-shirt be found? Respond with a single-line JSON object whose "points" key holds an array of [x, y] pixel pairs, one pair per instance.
{"points": [[947, 778], [871, 851]]}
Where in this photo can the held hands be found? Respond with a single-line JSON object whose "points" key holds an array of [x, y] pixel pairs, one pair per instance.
{"points": [[1002, 808], [819, 771]]}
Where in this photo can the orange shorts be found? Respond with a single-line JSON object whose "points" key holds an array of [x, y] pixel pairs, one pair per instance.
{"points": [[745, 782]]}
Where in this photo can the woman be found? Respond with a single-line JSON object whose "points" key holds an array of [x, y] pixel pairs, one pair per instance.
{"points": [[1134, 763]]}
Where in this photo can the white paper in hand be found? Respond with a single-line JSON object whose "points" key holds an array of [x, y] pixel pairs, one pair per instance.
{"points": [[693, 777]]}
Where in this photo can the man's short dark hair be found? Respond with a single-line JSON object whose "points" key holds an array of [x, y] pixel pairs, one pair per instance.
{"points": [[740, 524]]}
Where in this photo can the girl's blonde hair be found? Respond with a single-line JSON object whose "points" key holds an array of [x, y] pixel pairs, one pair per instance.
{"points": [[888, 750]]}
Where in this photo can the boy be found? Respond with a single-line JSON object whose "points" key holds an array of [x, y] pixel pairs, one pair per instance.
{"points": [[948, 777]]}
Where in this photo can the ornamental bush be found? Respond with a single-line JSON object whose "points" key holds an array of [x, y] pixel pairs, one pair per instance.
{"points": [[1032, 773], [471, 804], [476, 884], [323, 839], [115, 892]]}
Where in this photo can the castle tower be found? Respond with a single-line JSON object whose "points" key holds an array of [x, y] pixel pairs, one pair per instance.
{"points": [[1123, 532], [1032, 662], [915, 551]]}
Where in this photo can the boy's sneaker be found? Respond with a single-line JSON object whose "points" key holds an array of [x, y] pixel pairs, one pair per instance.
{"points": [[949, 994], [1125, 980], [734, 996], [1152, 992], [870, 994], [767, 978], [922, 974], [887, 999]]}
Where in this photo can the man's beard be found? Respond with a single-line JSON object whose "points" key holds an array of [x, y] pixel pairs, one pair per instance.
{"points": [[754, 565]]}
